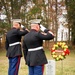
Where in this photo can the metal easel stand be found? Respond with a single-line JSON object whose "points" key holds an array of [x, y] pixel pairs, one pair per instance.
{"points": [[61, 67]]}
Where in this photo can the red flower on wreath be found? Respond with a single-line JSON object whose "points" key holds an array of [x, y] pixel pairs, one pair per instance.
{"points": [[59, 51]]}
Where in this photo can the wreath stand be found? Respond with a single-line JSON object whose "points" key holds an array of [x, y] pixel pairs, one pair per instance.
{"points": [[61, 61], [59, 52], [61, 67]]}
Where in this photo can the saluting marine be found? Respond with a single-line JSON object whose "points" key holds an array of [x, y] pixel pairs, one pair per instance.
{"points": [[32, 47], [13, 47]]}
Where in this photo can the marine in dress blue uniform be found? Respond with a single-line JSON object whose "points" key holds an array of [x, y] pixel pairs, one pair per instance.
{"points": [[32, 47], [13, 47]]}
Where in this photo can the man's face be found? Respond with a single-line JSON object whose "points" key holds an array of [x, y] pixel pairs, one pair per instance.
{"points": [[19, 26], [38, 27], [35, 26], [16, 25]]}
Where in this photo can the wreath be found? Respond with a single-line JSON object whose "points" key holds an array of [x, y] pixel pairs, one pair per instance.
{"points": [[59, 51]]}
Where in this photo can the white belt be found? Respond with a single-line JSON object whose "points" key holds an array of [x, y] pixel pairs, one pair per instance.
{"points": [[35, 49], [14, 43]]}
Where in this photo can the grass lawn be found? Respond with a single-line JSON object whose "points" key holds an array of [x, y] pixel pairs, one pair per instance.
{"points": [[68, 64]]}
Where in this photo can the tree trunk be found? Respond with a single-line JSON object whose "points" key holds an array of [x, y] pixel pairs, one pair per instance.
{"points": [[56, 26], [7, 12]]}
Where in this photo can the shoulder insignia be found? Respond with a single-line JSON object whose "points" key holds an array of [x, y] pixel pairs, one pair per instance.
{"points": [[21, 30], [43, 33]]}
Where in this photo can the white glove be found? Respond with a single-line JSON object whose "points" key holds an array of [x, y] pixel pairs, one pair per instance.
{"points": [[42, 27], [22, 26]]}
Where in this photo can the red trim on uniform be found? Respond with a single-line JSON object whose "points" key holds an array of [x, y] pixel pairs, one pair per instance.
{"points": [[17, 66], [43, 68]]}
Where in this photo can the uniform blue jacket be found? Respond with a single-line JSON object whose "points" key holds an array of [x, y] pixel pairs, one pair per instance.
{"points": [[13, 36], [34, 40]]}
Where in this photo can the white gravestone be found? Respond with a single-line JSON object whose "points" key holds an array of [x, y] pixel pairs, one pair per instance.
{"points": [[50, 67]]}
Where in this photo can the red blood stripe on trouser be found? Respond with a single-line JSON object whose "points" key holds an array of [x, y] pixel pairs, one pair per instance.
{"points": [[43, 69], [17, 66]]}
